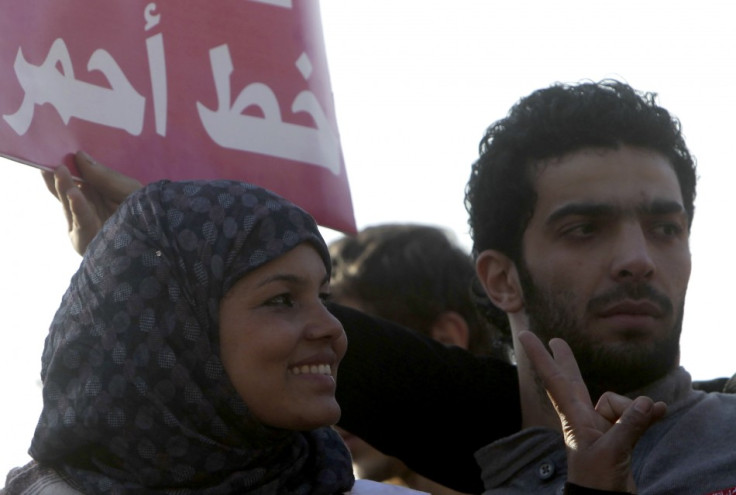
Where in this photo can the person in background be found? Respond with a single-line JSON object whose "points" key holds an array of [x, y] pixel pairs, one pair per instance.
{"points": [[417, 276]]}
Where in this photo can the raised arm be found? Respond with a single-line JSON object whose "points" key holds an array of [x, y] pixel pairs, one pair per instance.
{"points": [[430, 405]]}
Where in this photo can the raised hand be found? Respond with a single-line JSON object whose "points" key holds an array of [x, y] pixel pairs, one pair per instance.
{"points": [[88, 203], [600, 439]]}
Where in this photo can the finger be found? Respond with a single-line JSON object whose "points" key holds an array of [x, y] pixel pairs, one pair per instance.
{"points": [[64, 184], [110, 183], [567, 363], [83, 215], [86, 220], [565, 388], [548, 370], [642, 413], [543, 363], [612, 406], [565, 359], [559, 373], [63, 179], [50, 180]]}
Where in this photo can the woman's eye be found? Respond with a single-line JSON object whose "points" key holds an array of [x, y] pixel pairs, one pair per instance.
{"points": [[281, 300]]}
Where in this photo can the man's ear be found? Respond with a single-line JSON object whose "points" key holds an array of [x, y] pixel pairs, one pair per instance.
{"points": [[500, 279], [451, 329]]}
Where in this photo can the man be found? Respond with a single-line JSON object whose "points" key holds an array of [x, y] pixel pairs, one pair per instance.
{"points": [[580, 208], [417, 276]]}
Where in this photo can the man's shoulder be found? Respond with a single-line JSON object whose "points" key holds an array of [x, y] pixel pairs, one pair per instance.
{"points": [[712, 408], [691, 449], [723, 384]]}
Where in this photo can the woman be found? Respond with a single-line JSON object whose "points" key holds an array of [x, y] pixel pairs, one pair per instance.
{"points": [[382, 385], [192, 353]]}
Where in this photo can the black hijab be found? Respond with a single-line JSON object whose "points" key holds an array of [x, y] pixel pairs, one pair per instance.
{"points": [[135, 396]]}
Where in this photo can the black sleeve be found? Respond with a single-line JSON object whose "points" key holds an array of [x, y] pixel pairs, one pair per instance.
{"points": [[573, 489], [730, 386], [714, 385], [430, 405]]}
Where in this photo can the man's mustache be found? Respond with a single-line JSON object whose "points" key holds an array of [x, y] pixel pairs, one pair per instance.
{"points": [[634, 292]]}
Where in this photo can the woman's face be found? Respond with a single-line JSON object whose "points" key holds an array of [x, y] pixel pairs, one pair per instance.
{"points": [[279, 344]]}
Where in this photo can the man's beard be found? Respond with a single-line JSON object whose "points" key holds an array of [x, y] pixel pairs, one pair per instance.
{"points": [[622, 367]]}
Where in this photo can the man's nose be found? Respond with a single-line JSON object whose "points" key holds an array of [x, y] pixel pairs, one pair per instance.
{"points": [[632, 260]]}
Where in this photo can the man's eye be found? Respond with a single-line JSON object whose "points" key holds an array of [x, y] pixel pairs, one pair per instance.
{"points": [[580, 230], [668, 229]]}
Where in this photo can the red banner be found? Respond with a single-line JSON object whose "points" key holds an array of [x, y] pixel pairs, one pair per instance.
{"points": [[727, 491], [177, 89]]}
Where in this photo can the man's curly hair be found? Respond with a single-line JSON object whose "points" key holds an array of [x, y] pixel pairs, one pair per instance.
{"points": [[500, 197]]}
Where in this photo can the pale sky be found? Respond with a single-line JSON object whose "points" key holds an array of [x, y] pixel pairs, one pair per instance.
{"points": [[415, 85]]}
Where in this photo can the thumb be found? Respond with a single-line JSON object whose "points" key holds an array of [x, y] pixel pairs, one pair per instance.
{"points": [[640, 414]]}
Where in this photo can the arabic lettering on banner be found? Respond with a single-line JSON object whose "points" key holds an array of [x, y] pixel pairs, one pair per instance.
{"points": [[727, 491], [177, 89]]}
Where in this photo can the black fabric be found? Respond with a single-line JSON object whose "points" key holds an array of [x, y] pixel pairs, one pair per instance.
{"points": [[715, 385], [430, 405], [730, 386], [573, 489]]}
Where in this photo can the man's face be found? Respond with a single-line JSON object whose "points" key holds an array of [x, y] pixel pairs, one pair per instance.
{"points": [[606, 263]]}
